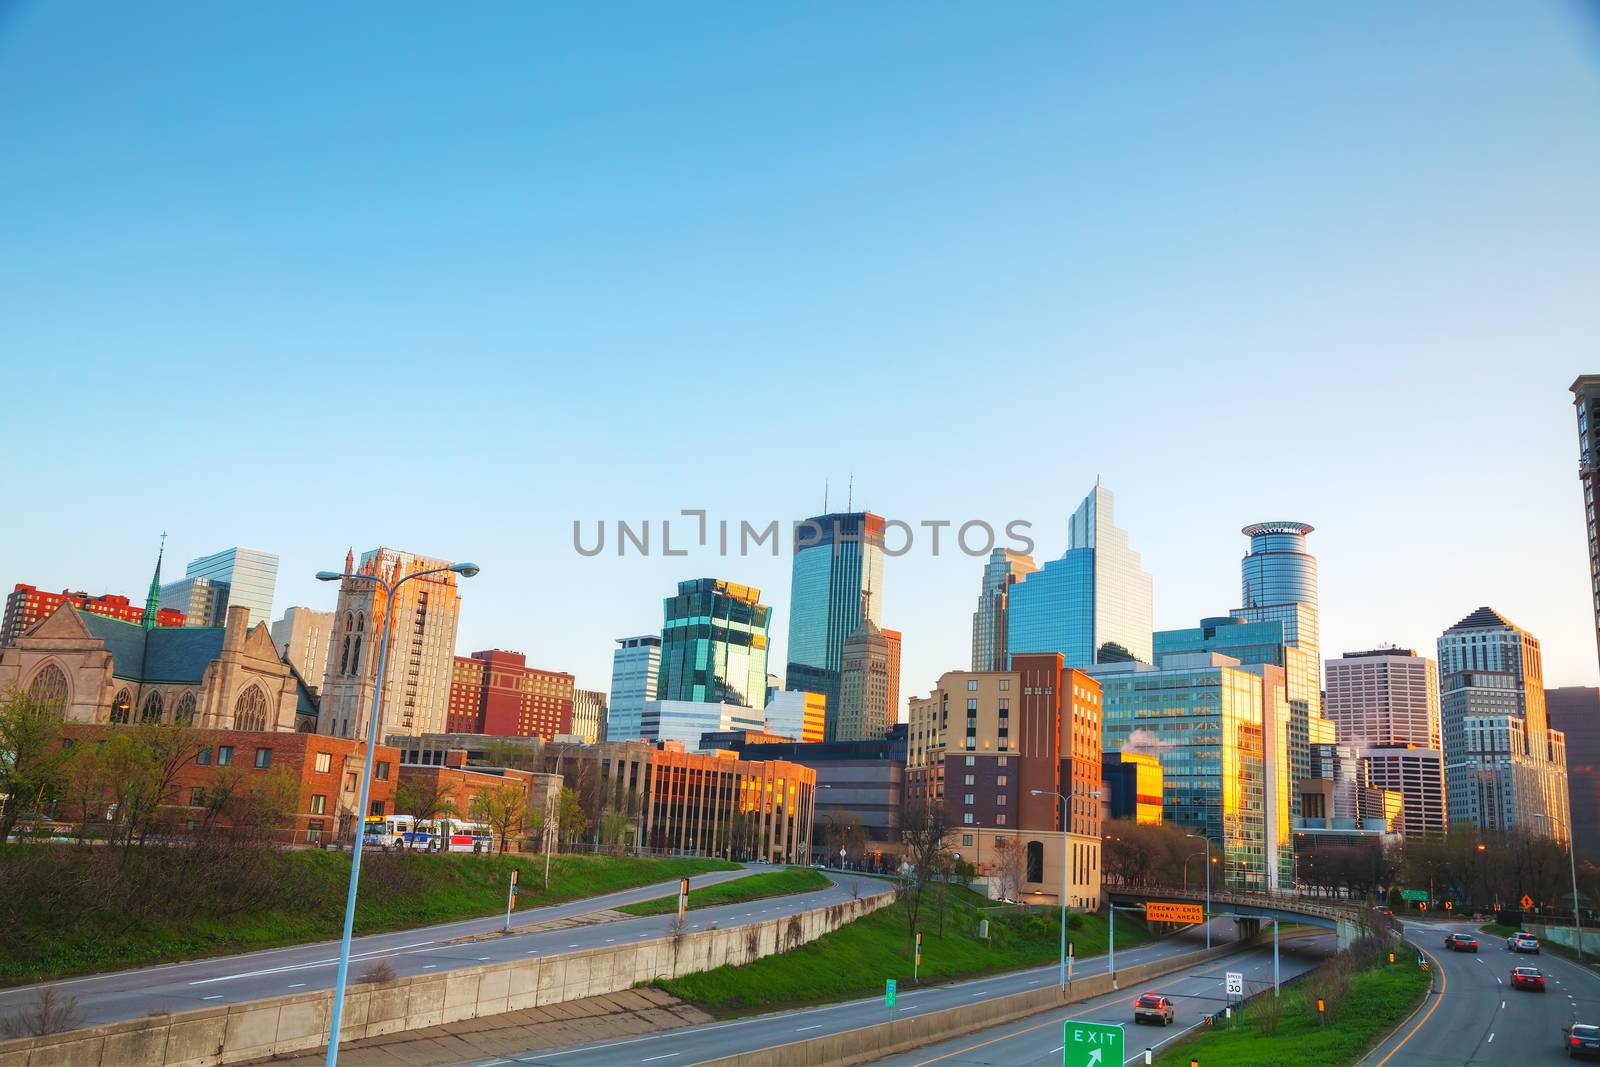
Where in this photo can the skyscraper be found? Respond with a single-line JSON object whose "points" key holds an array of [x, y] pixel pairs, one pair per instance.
{"points": [[838, 558], [235, 576], [1279, 580], [714, 644], [635, 666], [1093, 605], [302, 637], [864, 708], [1386, 703], [1575, 711], [1004, 569], [495, 692], [421, 657], [1503, 764], [1586, 398]]}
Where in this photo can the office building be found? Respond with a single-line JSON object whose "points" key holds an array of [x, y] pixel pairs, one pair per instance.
{"points": [[495, 692], [1575, 711], [1202, 712], [27, 606], [1386, 703], [421, 660], [1131, 784], [714, 644], [1586, 399], [796, 715], [245, 577], [589, 715], [684, 721], [838, 566], [1417, 774], [1093, 605], [1005, 569], [1504, 767], [635, 667], [202, 601], [302, 637], [1278, 578], [865, 707]]}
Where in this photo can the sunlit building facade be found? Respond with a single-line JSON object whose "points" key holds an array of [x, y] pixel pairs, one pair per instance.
{"points": [[837, 581], [234, 577], [1005, 569], [635, 666], [714, 644], [797, 715]]}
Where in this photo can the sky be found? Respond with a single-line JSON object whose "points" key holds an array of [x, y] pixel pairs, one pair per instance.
{"points": [[306, 277]]}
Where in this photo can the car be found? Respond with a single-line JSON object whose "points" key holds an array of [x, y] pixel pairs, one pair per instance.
{"points": [[1527, 978], [1153, 1008], [1583, 1041], [1523, 943], [1461, 943]]}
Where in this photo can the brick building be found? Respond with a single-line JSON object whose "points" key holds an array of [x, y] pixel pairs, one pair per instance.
{"points": [[458, 782], [27, 606], [495, 692]]}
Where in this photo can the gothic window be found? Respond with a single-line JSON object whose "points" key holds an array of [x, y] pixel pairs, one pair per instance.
{"points": [[250, 712], [184, 712], [49, 686], [361, 624], [1036, 861], [344, 657], [152, 708], [122, 707], [355, 660]]}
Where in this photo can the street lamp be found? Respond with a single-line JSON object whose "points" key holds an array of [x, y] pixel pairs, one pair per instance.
{"points": [[1207, 840], [466, 570], [1065, 816], [1572, 857]]}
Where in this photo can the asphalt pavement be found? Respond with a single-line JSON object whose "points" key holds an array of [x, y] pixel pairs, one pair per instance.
{"points": [[250, 976]]}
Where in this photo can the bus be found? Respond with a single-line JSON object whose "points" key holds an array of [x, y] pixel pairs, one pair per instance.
{"points": [[405, 831]]}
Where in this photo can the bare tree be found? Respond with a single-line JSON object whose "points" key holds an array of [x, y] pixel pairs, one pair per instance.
{"points": [[1010, 867], [924, 825], [426, 797], [49, 1012]]}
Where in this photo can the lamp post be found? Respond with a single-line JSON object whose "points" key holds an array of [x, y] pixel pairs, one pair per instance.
{"points": [[466, 570], [1207, 840], [1065, 816], [1186, 860], [1572, 857]]}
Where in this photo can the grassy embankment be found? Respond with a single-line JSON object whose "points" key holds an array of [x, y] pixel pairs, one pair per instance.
{"points": [[1380, 996], [779, 883], [76, 911], [854, 960]]}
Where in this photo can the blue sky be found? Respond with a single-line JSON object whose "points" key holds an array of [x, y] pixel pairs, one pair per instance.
{"points": [[304, 277]]}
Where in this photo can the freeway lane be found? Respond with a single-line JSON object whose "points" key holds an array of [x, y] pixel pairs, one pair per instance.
{"points": [[1036, 1041], [225, 979], [696, 1044], [1477, 1018]]}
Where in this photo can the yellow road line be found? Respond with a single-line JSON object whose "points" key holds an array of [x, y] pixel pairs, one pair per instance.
{"points": [[1444, 981]]}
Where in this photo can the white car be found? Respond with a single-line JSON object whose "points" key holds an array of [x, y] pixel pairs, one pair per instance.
{"points": [[1520, 942]]}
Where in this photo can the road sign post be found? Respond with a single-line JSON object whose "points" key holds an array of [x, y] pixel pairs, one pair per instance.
{"points": [[1086, 1044], [889, 990], [683, 898], [511, 896], [1235, 985], [1526, 902], [916, 964]]}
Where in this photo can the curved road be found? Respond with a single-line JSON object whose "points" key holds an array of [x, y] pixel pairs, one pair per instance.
{"points": [[222, 980], [1473, 1016]]}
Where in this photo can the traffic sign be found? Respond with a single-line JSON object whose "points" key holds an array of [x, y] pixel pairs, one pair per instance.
{"points": [[1086, 1044], [1526, 902], [888, 992], [1157, 912], [1414, 894], [1422, 906], [1235, 984], [1449, 905]]}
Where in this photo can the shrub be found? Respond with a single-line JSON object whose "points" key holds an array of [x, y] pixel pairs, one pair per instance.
{"points": [[377, 972], [49, 1012]]}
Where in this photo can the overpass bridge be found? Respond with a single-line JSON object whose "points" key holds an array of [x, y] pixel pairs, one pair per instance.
{"points": [[1248, 910]]}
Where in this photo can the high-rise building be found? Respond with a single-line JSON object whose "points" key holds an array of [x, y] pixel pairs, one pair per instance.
{"points": [[797, 715], [865, 711], [1279, 580], [233, 577], [1504, 766], [1131, 782], [714, 644], [635, 666], [685, 720], [1004, 569], [1386, 703], [1575, 711], [1093, 605], [26, 606], [420, 664], [495, 692], [1586, 399], [838, 565], [302, 637], [896, 642], [589, 715], [1417, 774]]}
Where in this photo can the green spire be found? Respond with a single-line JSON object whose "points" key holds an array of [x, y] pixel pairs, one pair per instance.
{"points": [[152, 599]]}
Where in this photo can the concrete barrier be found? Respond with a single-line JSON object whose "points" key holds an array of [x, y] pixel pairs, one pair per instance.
{"points": [[261, 1028], [869, 1043]]}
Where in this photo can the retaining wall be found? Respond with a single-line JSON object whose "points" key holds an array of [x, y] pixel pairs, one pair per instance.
{"points": [[261, 1028]]}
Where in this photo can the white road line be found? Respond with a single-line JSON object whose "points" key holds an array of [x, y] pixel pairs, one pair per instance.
{"points": [[668, 1056], [483, 959], [214, 996], [373, 953], [803, 1029], [1502, 1005], [1490, 1041], [429, 966], [296, 985]]}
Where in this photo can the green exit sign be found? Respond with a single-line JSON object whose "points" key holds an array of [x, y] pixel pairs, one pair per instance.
{"points": [[1091, 1044]]}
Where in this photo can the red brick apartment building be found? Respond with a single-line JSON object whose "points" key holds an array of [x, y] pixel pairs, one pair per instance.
{"points": [[27, 605], [495, 692]]}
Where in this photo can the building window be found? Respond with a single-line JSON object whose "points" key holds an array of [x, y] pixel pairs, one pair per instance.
{"points": [[203, 757], [1000, 820], [1001, 780], [224, 755], [972, 761], [1036, 861], [1005, 685], [319, 804], [972, 685], [1002, 761], [967, 818], [152, 708], [967, 799], [250, 710], [380, 771], [263, 757], [183, 714], [1000, 800], [324, 762], [197, 796], [966, 840], [377, 807], [49, 686], [122, 707], [971, 778]]}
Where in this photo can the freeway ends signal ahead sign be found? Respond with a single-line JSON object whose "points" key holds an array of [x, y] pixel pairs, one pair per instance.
{"points": [[1086, 1044], [1157, 912]]}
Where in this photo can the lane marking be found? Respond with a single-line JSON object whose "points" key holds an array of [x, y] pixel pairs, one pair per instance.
{"points": [[1490, 1041], [331, 961], [296, 985], [803, 1029], [1444, 983], [668, 1056], [214, 996]]}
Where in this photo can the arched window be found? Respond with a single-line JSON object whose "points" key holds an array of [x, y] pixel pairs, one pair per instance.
{"points": [[49, 686], [184, 712], [361, 624], [122, 707], [152, 707], [344, 657], [349, 622], [1035, 861], [250, 711], [355, 658]]}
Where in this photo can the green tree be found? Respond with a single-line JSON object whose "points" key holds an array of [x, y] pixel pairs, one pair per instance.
{"points": [[427, 797], [502, 808], [570, 819], [613, 830], [32, 760]]}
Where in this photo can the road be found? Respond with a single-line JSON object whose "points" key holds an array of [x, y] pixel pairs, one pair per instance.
{"points": [[250, 976], [1475, 1017], [695, 1044]]}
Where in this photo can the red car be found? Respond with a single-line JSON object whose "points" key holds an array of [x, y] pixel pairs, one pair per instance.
{"points": [[1461, 943], [1527, 978]]}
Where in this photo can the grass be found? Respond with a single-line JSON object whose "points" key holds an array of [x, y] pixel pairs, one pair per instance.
{"points": [[854, 960], [1380, 997], [300, 898], [782, 883]]}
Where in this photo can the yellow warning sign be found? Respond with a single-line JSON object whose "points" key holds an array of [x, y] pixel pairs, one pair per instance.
{"points": [[1157, 912]]}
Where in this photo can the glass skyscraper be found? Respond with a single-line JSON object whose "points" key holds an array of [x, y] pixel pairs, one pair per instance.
{"points": [[1093, 605], [837, 581], [1279, 580], [635, 666], [714, 644], [1004, 569], [233, 577]]}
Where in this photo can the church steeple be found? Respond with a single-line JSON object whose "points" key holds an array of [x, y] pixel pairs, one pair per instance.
{"points": [[152, 599]]}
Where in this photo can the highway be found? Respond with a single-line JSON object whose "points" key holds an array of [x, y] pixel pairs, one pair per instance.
{"points": [[1475, 1017], [695, 1044], [221, 980]]}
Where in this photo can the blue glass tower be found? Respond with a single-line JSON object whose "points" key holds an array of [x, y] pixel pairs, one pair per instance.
{"points": [[714, 645], [838, 566]]}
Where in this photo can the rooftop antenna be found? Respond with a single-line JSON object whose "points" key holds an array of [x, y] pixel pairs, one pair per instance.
{"points": [[850, 493], [824, 496]]}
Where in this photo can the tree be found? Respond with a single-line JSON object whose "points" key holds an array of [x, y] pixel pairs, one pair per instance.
{"points": [[845, 833], [503, 808], [1010, 867], [32, 760], [613, 830], [426, 797], [570, 820], [924, 825]]}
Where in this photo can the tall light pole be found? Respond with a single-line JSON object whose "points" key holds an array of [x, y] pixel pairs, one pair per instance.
{"points": [[466, 570], [1572, 857], [1065, 816], [1207, 840]]}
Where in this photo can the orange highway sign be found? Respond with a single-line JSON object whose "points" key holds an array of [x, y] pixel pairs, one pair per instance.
{"points": [[1158, 912], [1526, 902]]}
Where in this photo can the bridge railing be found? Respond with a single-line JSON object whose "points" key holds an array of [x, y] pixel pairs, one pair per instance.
{"points": [[1348, 912]]}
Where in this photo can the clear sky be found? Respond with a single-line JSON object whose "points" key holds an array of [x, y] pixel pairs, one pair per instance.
{"points": [[308, 276]]}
